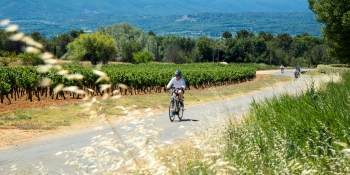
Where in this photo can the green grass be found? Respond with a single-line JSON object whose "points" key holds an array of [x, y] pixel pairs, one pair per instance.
{"points": [[293, 134]]}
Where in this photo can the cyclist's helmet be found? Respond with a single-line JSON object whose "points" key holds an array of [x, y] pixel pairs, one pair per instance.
{"points": [[177, 72]]}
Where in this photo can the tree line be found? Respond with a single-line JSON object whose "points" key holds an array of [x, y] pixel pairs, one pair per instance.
{"points": [[127, 43]]}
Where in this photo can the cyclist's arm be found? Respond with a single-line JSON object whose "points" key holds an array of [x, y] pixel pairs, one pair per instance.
{"points": [[183, 83], [170, 83]]}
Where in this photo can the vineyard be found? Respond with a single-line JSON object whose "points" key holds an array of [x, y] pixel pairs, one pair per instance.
{"points": [[18, 82]]}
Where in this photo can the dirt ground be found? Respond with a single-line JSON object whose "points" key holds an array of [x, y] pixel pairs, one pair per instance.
{"points": [[15, 137]]}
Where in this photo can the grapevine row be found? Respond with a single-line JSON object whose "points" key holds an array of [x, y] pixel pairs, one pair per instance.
{"points": [[16, 82]]}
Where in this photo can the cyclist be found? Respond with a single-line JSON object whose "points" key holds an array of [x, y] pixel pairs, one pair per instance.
{"points": [[282, 68], [179, 84], [296, 72]]}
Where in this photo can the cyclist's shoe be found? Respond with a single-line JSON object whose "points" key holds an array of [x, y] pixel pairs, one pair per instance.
{"points": [[171, 114], [181, 104]]}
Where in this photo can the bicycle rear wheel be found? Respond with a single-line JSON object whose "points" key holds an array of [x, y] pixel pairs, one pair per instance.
{"points": [[171, 110]]}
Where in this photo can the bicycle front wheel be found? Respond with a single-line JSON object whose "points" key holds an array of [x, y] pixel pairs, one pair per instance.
{"points": [[171, 110], [181, 113]]}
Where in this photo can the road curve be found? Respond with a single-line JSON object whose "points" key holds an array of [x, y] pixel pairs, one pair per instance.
{"points": [[26, 156]]}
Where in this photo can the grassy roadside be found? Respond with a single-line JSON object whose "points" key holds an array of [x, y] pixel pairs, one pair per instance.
{"points": [[54, 117], [302, 134]]}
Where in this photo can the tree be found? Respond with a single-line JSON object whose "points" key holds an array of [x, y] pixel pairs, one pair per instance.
{"points": [[62, 41], [173, 54], [30, 59], [125, 32], [242, 34], [76, 33], [129, 48], [335, 15], [36, 36], [262, 35], [94, 47], [227, 34], [143, 57], [284, 41], [204, 47], [151, 33]]}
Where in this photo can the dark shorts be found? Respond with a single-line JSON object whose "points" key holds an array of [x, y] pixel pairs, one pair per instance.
{"points": [[183, 91]]}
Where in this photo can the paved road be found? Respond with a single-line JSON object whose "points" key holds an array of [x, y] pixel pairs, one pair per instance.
{"points": [[44, 150]]}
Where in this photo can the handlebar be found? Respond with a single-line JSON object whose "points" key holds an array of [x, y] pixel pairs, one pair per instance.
{"points": [[175, 89]]}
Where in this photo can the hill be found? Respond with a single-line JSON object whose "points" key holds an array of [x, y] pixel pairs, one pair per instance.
{"points": [[173, 17], [77, 8]]}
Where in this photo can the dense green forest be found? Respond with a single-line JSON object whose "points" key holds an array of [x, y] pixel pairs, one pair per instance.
{"points": [[136, 46]]}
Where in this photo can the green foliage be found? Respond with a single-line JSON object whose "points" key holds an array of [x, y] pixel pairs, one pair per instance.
{"points": [[95, 47], [335, 15], [30, 59], [227, 34], [143, 57], [75, 33], [128, 49], [204, 48], [7, 57], [293, 134], [61, 42], [138, 77], [284, 41], [246, 47], [128, 35], [300, 62]]}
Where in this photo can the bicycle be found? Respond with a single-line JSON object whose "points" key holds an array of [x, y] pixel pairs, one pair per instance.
{"points": [[174, 106], [296, 75]]}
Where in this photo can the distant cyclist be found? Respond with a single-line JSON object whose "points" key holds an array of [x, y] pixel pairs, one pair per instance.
{"points": [[179, 84], [282, 68], [296, 72]]}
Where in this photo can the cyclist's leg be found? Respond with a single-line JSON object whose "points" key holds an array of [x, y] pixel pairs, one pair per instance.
{"points": [[180, 93]]}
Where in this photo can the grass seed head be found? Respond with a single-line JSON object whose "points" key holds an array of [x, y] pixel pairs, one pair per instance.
{"points": [[17, 37], [45, 82], [58, 88], [12, 28], [43, 68], [5, 22], [32, 50], [46, 55]]}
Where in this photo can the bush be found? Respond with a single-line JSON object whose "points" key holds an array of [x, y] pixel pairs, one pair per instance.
{"points": [[300, 62], [7, 57], [30, 59], [143, 57]]}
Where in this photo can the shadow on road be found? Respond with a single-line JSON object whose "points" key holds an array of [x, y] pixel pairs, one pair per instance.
{"points": [[188, 120]]}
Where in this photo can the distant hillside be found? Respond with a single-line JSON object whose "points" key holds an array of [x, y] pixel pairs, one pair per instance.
{"points": [[171, 17], [78, 8], [193, 25]]}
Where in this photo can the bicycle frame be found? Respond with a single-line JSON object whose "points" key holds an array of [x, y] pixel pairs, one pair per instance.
{"points": [[175, 98], [174, 108]]}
